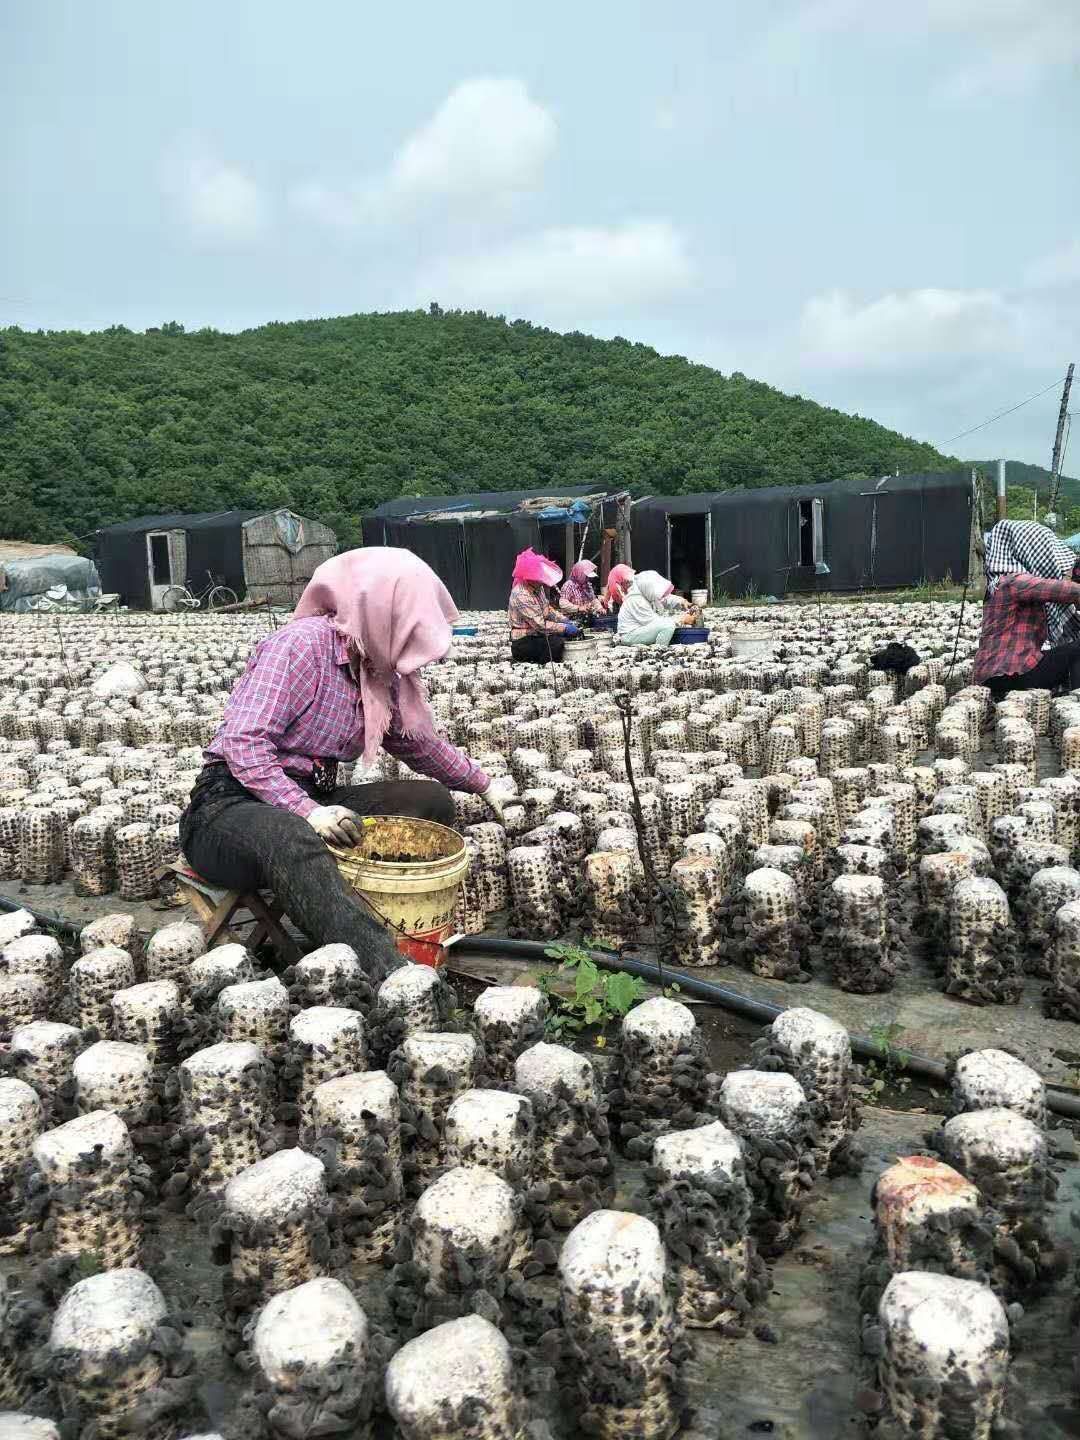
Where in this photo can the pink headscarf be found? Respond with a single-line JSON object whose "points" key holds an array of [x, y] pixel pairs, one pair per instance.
{"points": [[537, 569], [619, 578], [398, 615], [577, 590]]}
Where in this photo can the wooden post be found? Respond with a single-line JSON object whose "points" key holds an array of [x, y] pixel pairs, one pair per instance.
{"points": [[569, 553], [622, 522], [975, 540], [605, 556]]}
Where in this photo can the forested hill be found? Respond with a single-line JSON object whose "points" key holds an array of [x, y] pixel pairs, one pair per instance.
{"points": [[333, 416], [1032, 477]]}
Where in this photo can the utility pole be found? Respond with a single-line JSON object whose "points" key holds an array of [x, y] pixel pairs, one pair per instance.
{"points": [[1002, 494], [1050, 517]]}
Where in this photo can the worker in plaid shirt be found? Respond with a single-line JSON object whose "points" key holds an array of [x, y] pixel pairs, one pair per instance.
{"points": [[538, 632], [340, 682], [1030, 636]]}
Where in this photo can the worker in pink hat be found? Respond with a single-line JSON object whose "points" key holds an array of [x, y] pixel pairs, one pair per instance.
{"points": [[340, 683], [537, 630], [576, 598], [620, 578]]}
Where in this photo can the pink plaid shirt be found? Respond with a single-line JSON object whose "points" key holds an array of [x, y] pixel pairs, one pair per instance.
{"points": [[297, 702]]}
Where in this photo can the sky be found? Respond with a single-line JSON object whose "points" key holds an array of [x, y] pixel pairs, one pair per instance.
{"points": [[868, 203]]}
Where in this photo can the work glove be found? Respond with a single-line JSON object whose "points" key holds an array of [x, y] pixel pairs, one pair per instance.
{"points": [[336, 825], [496, 802], [571, 631]]}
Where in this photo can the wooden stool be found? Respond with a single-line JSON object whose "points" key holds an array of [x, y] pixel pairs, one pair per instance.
{"points": [[218, 909]]}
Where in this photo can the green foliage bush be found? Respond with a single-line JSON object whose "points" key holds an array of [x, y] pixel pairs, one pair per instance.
{"points": [[599, 998]]}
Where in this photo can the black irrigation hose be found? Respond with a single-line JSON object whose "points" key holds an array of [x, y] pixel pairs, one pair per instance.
{"points": [[51, 922], [761, 1011]]}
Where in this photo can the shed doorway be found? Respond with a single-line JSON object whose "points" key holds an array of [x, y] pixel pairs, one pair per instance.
{"points": [[689, 552], [811, 533], [159, 559]]}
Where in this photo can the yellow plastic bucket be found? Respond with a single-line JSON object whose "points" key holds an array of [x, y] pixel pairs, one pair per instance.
{"points": [[408, 873]]}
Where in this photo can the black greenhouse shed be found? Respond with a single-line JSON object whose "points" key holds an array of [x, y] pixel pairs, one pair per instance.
{"points": [[471, 541], [844, 535], [262, 555]]}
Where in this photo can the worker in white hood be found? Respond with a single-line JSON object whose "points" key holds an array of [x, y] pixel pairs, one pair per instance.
{"points": [[651, 612]]}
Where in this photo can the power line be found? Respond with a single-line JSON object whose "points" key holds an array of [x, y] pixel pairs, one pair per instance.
{"points": [[1001, 413]]}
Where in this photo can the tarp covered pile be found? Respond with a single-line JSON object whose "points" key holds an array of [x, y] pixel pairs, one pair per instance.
{"points": [[43, 583]]}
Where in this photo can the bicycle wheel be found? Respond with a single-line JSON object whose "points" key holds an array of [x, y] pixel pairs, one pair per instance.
{"points": [[178, 598], [221, 595]]}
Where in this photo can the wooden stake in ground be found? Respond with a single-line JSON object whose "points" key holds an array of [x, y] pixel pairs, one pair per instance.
{"points": [[1055, 464]]}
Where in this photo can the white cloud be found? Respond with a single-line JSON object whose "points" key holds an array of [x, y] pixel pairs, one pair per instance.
{"points": [[1015, 43], [589, 266], [486, 137], [487, 141], [914, 327], [219, 202]]}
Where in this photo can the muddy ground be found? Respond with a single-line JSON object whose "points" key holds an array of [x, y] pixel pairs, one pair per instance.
{"points": [[803, 1385], [799, 1383]]}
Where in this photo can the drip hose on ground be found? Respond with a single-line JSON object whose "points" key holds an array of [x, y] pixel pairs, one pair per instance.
{"points": [[51, 922], [763, 1012]]}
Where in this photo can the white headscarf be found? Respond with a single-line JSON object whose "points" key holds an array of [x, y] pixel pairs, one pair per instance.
{"points": [[644, 600]]}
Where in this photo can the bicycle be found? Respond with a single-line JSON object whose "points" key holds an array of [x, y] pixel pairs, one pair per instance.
{"points": [[179, 597]]}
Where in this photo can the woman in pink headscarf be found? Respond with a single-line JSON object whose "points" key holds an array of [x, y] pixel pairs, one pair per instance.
{"points": [[576, 597], [619, 580], [537, 630], [340, 682]]}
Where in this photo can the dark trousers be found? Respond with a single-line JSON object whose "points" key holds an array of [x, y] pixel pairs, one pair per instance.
{"points": [[239, 842], [538, 649], [1059, 666]]}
